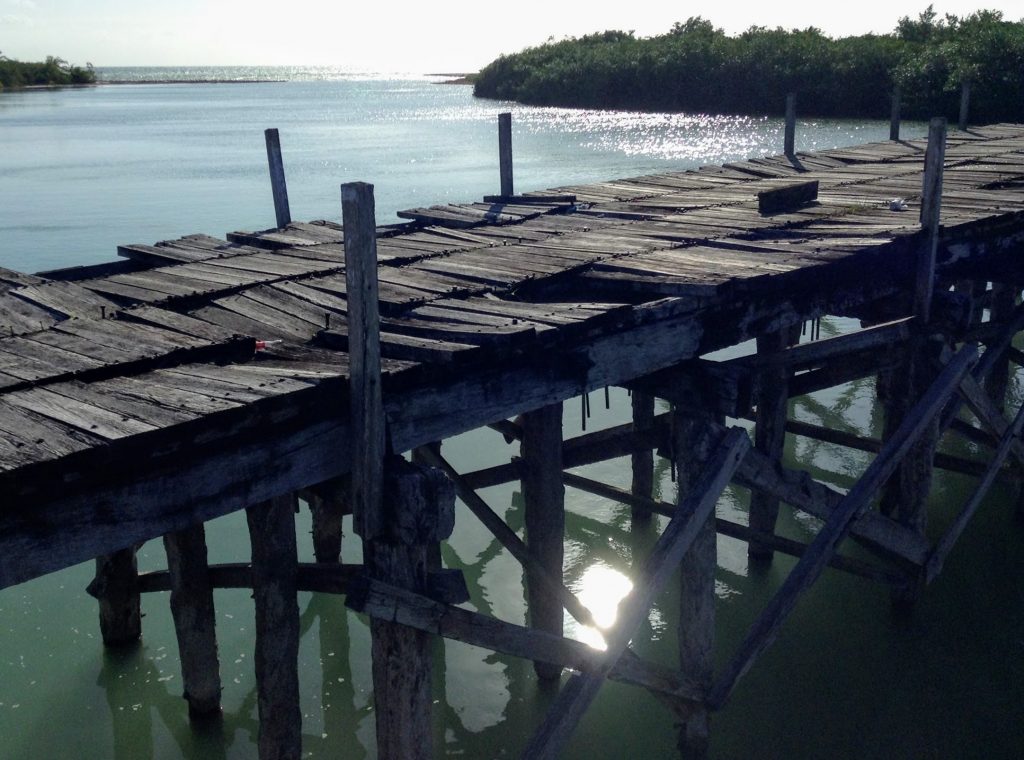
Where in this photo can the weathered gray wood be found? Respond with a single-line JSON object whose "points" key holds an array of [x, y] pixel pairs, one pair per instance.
{"points": [[953, 532], [931, 203], [422, 502], [390, 603], [278, 186], [694, 437], [769, 437], [326, 578], [1004, 301], [116, 588], [328, 503], [965, 104], [732, 529], [274, 569], [367, 409], [787, 198], [894, 115], [505, 153], [765, 629], [789, 141], [642, 462], [508, 539], [544, 517], [694, 514], [194, 619]]}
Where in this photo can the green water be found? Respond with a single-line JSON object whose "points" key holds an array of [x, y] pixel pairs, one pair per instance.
{"points": [[83, 170]]}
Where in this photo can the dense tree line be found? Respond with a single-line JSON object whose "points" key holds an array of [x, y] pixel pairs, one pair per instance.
{"points": [[52, 71], [698, 68]]}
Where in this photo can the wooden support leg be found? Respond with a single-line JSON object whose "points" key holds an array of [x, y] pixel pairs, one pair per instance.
{"points": [[1004, 301], [274, 569], [423, 501], [769, 439], [328, 503], [642, 461], [116, 588], [544, 498], [194, 619], [692, 446]]}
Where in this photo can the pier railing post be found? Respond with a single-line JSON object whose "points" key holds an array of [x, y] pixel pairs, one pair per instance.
{"points": [[505, 153], [278, 185], [544, 500], [789, 143], [894, 115], [194, 619], [367, 407], [965, 105], [274, 579], [931, 205]]}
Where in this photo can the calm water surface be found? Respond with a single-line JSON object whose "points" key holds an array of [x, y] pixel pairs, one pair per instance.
{"points": [[84, 170]]}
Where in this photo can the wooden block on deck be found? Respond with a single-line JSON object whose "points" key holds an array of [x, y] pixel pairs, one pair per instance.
{"points": [[787, 197]]}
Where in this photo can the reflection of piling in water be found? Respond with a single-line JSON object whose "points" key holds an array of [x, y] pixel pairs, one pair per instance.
{"points": [[266, 376]]}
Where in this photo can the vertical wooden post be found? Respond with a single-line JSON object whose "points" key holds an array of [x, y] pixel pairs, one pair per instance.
{"points": [[277, 182], [544, 499], [894, 115], [194, 619], [643, 461], [692, 446], [328, 503], [505, 153], [1004, 301], [367, 408], [421, 507], [931, 204], [116, 588], [274, 572], [769, 437], [790, 138], [965, 105]]}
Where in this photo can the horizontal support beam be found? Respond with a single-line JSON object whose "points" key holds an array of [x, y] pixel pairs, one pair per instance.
{"points": [[326, 578]]}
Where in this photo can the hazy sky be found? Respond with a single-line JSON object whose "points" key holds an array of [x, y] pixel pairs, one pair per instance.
{"points": [[439, 36]]}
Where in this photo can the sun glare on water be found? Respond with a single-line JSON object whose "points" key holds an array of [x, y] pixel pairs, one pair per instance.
{"points": [[600, 590]]}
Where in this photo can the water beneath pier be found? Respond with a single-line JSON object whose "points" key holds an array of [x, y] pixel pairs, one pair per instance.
{"points": [[83, 170]]}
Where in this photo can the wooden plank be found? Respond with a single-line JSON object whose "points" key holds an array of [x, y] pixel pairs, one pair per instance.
{"points": [[692, 513]]}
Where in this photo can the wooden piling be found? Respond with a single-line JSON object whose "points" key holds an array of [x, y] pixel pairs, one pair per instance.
{"points": [[274, 570], [194, 619], [789, 143], [894, 115], [693, 441], [278, 186], [965, 105], [328, 503], [642, 462], [421, 511], [544, 500], [367, 408], [116, 588], [769, 436], [1004, 301], [505, 153]]}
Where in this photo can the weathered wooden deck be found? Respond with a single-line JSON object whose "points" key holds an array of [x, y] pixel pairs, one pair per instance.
{"points": [[200, 376]]}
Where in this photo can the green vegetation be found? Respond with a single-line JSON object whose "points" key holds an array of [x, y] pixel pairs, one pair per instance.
{"points": [[52, 71], [699, 69]]}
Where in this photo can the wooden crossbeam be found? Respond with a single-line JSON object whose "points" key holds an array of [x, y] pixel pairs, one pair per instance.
{"points": [[990, 415], [825, 544], [508, 538], [384, 601], [577, 695], [945, 545]]}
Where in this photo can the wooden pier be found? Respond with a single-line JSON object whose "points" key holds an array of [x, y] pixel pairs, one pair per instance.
{"points": [[201, 376]]}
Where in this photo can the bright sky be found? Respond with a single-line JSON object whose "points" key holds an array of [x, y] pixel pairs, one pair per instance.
{"points": [[439, 36]]}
